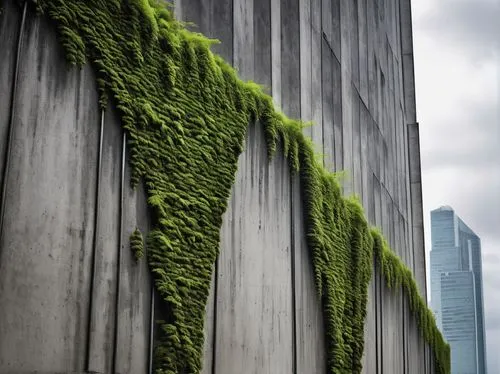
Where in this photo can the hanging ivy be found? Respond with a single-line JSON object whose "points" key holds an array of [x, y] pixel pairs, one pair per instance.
{"points": [[137, 244], [186, 113]]}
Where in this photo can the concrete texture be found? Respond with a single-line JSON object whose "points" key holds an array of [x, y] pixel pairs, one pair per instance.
{"points": [[49, 207], [74, 299], [65, 263]]}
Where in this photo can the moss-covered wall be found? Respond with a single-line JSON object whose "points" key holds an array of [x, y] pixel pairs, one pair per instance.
{"points": [[186, 112]]}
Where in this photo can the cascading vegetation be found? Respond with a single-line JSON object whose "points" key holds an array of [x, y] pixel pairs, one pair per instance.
{"points": [[185, 113], [137, 244]]}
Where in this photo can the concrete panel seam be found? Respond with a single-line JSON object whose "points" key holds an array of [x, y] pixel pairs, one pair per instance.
{"points": [[94, 242], [120, 248], [6, 166]]}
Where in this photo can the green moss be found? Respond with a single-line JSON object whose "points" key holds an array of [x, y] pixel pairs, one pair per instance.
{"points": [[186, 113], [137, 244]]}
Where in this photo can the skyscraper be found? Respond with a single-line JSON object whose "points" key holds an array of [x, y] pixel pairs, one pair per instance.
{"points": [[457, 290]]}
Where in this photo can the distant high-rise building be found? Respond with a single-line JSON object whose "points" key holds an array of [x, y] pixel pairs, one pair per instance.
{"points": [[457, 290]]}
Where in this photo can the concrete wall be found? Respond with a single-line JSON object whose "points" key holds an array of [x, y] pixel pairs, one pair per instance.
{"points": [[73, 299], [69, 287]]}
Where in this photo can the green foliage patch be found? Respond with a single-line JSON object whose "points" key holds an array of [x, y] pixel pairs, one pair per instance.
{"points": [[185, 113], [137, 244]]}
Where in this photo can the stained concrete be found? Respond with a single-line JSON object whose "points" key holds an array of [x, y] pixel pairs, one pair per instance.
{"points": [[347, 65], [49, 207]]}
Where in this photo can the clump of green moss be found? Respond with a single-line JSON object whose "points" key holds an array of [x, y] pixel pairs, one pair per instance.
{"points": [[186, 113], [137, 244]]}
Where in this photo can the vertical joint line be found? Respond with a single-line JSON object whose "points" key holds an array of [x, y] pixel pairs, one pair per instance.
{"points": [[214, 333], [8, 148], [94, 241], [293, 272], [120, 245]]}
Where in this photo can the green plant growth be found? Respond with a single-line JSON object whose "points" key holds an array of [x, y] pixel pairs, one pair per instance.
{"points": [[186, 113], [137, 244]]}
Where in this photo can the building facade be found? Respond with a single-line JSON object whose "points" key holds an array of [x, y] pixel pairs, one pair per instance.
{"points": [[72, 297], [457, 290]]}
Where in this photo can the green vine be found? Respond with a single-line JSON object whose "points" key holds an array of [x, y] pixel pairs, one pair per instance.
{"points": [[137, 244], [186, 113]]}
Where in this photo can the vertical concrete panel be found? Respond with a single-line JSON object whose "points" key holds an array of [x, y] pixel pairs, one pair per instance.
{"points": [[50, 202], [262, 39], [107, 233], [243, 28], [212, 18], [346, 18], [407, 60], [392, 333], [363, 50], [356, 143], [364, 153], [327, 21], [290, 58], [347, 137], [370, 351], [371, 60], [276, 51], [254, 289], [316, 74], [417, 207], [10, 26], [336, 30], [337, 115], [354, 40], [306, 64], [328, 108], [310, 336], [133, 324]]}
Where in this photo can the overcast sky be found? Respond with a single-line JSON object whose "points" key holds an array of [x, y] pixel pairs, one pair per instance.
{"points": [[456, 46]]}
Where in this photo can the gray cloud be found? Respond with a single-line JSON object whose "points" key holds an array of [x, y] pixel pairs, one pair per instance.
{"points": [[469, 25]]}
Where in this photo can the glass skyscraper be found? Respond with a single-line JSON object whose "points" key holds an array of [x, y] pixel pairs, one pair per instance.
{"points": [[457, 290]]}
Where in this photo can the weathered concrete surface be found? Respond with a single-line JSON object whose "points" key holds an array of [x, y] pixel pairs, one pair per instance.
{"points": [[254, 280], [65, 220], [47, 232], [10, 27], [346, 65], [103, 292], [133, 315]]}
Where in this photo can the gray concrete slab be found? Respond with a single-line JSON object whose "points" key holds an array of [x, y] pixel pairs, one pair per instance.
{"points": [[417, 207], [370, 351], [306, 65], [337, 115], [347, 129], [50, 205], [106, 247], [254, 288], [328, 107], [276, 52], [366, 173], [262, 39], [310, 338], [327, 22], [356, 144], [353, 20], [10, 26], [290, 58], [316, 75], [133, 315], [243, 39], [392, 330], [363, 50]]}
